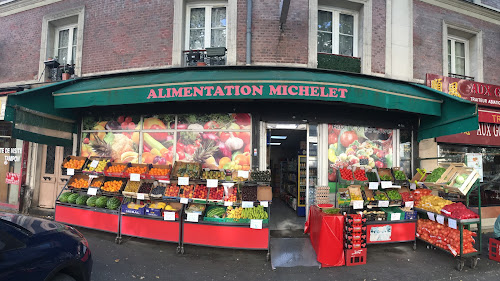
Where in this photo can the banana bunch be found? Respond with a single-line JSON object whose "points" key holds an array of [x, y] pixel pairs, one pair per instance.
{"points": [[158, 205], [234, 213], [255, 213]]}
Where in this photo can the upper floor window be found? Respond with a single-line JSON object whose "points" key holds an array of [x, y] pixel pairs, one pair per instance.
{"points": [[206, 27], [337, 32], [457, 56], [65, 44]]}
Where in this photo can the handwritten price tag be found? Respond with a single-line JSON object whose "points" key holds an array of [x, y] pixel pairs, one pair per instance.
{"points": [[440, 219], [357, 204], [373, 185], [94, 163], [383, 203], [140, 196], [256, 224], [247, 204], [386, 184], [184, 201], [431, 216], [413, 186], [163, 181], [70, 172], [228, 203], [264, 203], [212, 183], [169, 216], [92, 191], [243, 174], [135, 177], [192, 217], [395, 216], [452, 223], [183, 181], [409, 204]]}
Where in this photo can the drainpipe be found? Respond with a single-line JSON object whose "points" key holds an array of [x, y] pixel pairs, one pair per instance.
{"points": [[249, 33]]}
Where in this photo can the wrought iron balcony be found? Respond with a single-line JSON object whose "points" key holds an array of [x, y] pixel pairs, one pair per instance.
{"points": [[209, 56], [460, 76], [339, 62]]}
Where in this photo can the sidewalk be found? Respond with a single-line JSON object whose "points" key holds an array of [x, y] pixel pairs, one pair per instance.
{"points": [[140, 259]]}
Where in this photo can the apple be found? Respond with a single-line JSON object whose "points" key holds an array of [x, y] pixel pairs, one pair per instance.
{"points": [[120, 119], [131, 126], [128, 119], [86, 140]]}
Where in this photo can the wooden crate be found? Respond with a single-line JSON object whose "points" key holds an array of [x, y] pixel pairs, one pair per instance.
{"points": [[449, 173]]}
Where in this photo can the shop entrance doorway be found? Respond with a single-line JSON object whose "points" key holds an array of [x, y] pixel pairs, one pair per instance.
{"points": [[52, 180]]}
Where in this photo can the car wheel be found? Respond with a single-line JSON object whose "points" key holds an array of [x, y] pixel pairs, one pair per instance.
{"points": [[62, 277]]}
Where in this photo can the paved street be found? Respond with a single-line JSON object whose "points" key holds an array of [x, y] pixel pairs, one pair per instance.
{"points": [[139, 259]]}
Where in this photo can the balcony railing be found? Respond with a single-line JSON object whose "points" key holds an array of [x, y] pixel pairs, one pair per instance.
{"points": [[460, 76], [339, 62], [209, 56]]}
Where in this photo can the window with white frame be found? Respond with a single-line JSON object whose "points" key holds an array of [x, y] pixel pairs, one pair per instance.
{"points": [[337, 32], [458, 56], [206, 26], [65, 44]]}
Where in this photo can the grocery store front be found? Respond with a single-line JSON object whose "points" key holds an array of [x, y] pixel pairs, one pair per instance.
{"points": [[219, 117]]}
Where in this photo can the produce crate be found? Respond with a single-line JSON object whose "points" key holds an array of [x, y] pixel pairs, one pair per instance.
{"points": [[171, 197], [264, 193], [126, 173], [210, 174], [494, 249], [385, 172], [468, 182], [79, 170], [161, 187], [394, 201], [419, 176], [266, 221], [92, 158], [152, 212], [112, 174], [195, 165], [343, 197], [404, 182], [166, 177], [394, 210], [124, 183], [345, 181], [367, 195], [450, 172], [140, 211], [354, 190], [129, 193], [78, 177], [98, 179]]}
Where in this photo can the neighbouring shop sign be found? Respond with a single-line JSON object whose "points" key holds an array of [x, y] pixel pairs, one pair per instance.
{"points": [[487, 134], [12, 178], [480, 93], [488, 116]]}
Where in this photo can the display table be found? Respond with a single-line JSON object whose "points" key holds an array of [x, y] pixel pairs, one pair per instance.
{"points": [[93, 218], [327, 236]]}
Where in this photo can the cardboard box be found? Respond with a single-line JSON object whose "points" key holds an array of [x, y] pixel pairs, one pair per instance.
{"points": [[264, 193]]}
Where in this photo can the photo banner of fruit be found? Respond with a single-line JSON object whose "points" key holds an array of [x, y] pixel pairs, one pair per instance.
{"points": [[358, 147]]}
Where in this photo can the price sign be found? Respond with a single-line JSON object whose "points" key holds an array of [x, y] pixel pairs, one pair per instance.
{"points": [[163, 181], [135, 177], [169, 216], [357, 204], [452, 223], [395, 216], [386, 184], [413, 186], [93, 177], [184, 200], [140, 196], [256, 224], [92, 191], [373, 185], [94, 163], [228, 203], [431, 216], [192, 217], [409, 204], [383, 203], [183, 181], [70, 172], [247, 204], [243, 174], [440, 219], [264, 203], [212, 183]]}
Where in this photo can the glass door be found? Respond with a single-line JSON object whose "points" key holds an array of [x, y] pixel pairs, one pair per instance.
{"points": [[311, 165]]}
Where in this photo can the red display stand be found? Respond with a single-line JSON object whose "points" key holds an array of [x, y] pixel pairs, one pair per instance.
{"points": [[151, 228], [355, 257], [380, 232], [327, 237], [89, 218], [226, 236]]}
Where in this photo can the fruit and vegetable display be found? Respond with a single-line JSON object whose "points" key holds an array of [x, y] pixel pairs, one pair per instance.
{"points": [[399, 175], [132, 186], [137, 170], [82, 200], [343, 196], [96, 183], [158, 190], [231, 195], [445, 237], [112, 186], [79, 183], [183, 169], [187, 191], [355, 196], [406, 196], [419, 193], [257, 212], [372, 176], [99, 168], [64, 197], [116, 168], [360, 175], [393, 194], [460, 179], [216, 193], [172, 190], [385, 178], [74, 164], [101, 202], [216, 175], [249, 193], [196, 208], [200, 191], [72, 198], [159, 172], [381, 196], [435, 175], [261, 176], [346, 174], [216, 212], [234, 213], [91, 201], [459, 211], [145, 187], [432, 203]]}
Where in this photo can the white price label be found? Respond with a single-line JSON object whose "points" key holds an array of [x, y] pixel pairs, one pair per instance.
{"points": [[192, 217], [169, 216], [452, 223], [440, 219], [140, 196], [264, 203], [184, 200], [247, 204], [212, 183], [256, 224], [93, 177], [92, 191], [413, 186], [383, 203], [94, 163], [373, 185], [183, 181], [228, 203], [70, 172], [395, 216], [163, 181], [135, 177], [386, 184], [396, 186], [431, 216], [357, 204], [409, 204], [243, 174]]}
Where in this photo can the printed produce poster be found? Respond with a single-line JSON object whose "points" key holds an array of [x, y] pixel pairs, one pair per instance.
{"points": [[475, 161], [218, 141], [358, 146]]}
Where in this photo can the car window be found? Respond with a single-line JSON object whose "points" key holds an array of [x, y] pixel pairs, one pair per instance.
{"points": [[9, 242]]}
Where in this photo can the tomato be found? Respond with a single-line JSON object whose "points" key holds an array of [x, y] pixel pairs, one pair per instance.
{"points": [[332, 138], [128, 119], [180, 146], [224, 136], [209, 125], [348, 137]]}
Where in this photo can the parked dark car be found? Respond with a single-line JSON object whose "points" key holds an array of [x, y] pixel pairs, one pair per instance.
{"points": [[37, 249]]}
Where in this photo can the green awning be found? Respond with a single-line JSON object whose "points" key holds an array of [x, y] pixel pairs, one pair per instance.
{"points": [[440, 113], [35, 118]]}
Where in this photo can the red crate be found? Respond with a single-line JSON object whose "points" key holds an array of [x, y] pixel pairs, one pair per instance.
{"points": [[494, 250], [355, 257]]}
